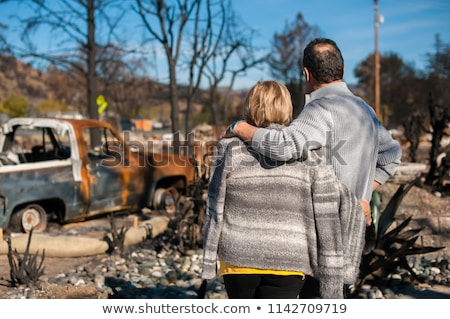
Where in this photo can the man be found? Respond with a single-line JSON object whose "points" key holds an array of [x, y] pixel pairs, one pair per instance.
{"points": [[363, 153]]}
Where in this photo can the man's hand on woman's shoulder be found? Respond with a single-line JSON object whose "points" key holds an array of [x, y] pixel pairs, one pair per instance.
{"points": [[230, 130]]}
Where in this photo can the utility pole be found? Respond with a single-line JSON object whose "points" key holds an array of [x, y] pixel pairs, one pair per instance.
{"points": [[377, 63]]}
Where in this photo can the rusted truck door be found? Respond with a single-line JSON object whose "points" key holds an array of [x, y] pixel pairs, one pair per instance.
{"points": [[110, 181]]}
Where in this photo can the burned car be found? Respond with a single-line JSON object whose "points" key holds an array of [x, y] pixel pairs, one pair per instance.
{"points": [[73, 169]]}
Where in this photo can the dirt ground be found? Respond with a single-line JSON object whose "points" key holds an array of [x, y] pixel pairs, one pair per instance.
{"points": [[417, 202], [53, 266]]}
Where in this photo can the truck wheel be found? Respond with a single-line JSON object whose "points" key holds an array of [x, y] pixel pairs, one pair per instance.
{"points": [[164, 199], [32, 216]]}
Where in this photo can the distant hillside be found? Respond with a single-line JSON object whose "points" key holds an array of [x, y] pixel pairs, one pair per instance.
{"points": [[134, 97], [18, 78]]}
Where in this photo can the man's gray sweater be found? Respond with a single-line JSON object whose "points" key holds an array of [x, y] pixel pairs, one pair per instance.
{"points": [[285, 216], [347, 129]]}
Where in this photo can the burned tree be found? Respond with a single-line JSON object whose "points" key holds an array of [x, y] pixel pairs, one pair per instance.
{"points": [[77, 35], [285, 59], [439, 117], [413, 131], [438, 107]]}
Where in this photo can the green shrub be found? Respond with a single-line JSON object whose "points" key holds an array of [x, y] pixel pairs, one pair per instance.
{"points": [[15, 106]]}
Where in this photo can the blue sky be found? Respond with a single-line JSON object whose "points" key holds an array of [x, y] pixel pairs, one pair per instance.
{"points": [[409, 27]]}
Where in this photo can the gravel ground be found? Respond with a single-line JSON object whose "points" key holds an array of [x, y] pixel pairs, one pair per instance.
{"points": [[157, 270]]}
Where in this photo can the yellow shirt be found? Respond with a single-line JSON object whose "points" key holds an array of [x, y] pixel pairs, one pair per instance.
{"points": [[227, 269]]}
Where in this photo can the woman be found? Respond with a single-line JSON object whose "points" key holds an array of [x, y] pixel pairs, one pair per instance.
{"points": [[270, 223]]}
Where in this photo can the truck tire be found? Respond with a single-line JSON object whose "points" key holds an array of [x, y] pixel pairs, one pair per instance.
{"points": [[165, 199], [32, 216]]}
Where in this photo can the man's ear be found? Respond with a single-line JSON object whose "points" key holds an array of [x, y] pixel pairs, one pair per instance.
{"points": [[307, 74]]}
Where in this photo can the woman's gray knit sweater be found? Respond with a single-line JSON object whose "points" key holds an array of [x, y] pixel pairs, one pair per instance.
{"points": [[286, 216]]}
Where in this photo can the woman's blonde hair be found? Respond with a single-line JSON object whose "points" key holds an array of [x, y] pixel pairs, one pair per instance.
{"points": [[268, 102]]}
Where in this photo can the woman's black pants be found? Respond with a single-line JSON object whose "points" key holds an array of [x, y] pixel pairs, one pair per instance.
{"points": [[256, 286]]}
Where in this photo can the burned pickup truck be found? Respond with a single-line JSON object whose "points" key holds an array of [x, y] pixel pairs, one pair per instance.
{"points": [[70, 170]]}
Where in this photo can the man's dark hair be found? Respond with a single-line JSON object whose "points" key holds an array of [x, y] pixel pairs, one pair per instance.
{"points": [[324, 61]]}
